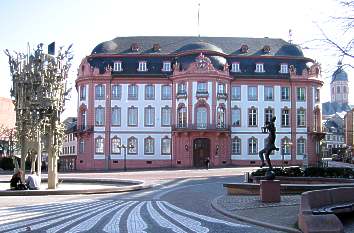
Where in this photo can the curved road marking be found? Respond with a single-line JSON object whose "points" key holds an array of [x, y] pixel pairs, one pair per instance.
{"points": [[135, 223], [113, 225]]}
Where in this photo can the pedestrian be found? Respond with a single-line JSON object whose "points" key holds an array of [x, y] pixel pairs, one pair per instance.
{"points": [[207, 163], [33, 181], [16, 182]]}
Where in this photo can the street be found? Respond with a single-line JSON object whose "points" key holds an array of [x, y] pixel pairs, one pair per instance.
{"points": [[173, 205]]}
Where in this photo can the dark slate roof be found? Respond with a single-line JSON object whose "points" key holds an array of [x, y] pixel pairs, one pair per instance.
{"points": [[330, 108], [339, 75], [177, 44], [70, 124]]}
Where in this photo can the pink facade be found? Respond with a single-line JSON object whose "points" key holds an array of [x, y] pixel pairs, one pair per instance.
{"points": [[200, 100]]}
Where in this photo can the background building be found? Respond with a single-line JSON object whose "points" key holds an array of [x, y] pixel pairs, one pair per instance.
{"points": [[7, 124], [349, 132], [67, 158], [175, 101]]}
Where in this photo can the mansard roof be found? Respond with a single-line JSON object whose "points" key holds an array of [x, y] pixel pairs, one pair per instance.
{"points": [[181, 44]]}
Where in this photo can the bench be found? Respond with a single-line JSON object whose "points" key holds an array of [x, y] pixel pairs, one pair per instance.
{"points": [[318, 209]]}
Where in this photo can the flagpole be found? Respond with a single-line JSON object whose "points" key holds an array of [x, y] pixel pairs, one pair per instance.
{"points": [[198, 20]]}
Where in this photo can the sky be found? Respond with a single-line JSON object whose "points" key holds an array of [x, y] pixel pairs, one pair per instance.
{"points": [[86, 23]]}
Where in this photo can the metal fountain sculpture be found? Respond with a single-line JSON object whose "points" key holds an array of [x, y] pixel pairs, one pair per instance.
{"points": [[39, 91], [270, 146]]}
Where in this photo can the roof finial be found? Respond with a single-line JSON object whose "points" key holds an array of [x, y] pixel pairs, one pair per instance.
{"points": [[198, 19], [290, 36]]}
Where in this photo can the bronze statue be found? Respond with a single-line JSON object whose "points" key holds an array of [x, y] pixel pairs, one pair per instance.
{"points": [[269, 128]]}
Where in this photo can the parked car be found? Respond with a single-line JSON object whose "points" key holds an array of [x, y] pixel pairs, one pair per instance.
{"points": [[337, 157]]}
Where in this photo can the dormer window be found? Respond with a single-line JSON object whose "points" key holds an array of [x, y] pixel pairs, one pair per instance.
{"points": [[266, 49], [134, 47], [156, 47], [284, 68], [117, 66], [259, 68], [166, 66], [244, 48], [235, 67], [142, 66]]}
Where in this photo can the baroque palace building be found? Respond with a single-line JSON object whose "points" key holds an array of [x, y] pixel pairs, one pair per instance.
{"points": [[176, 101]]}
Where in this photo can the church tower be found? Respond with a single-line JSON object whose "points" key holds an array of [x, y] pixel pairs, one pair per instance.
{"points": [[339, 86]]}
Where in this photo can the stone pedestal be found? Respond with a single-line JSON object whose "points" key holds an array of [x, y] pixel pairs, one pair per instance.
{"points": [[270, 190]]}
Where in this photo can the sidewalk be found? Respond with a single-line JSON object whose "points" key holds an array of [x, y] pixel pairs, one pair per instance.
{"points": [[279, 216]]}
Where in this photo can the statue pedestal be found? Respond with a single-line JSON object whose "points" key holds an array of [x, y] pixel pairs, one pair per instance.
{"points": [[270, 190]]}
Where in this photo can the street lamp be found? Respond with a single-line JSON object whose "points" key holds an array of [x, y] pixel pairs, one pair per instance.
{"points": [[285, 144], [130, 146]]}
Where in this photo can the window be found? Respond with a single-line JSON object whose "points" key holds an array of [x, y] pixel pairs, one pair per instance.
{"points": [[142, 66], [285, 117], [235, 67], [149, 92], [201, 118], [236, 92], [252, 146], [268, 114], [252, 117], [236, 146], [132, 92], [338, 89], [181, 88], [252, 93], [344, 89], [149, 116], [82, 92], [284, 68], [99, 92], [166, 66], [317, 95], [83, 120], [149, 145], [268, 93], [300, 93], [166, 92], [259, 68], [116, 92], [236, 116], [300, 146], [116, 116], [221, 88], [166, 116], [132, 145], [99, 116], [117, 66], [166, 146], [220, 117], [286, 146], [132, 116], [301, 120], [116, 143], [99, 141], [285, 93], [202, 87], [81, 146], [182, 117]]}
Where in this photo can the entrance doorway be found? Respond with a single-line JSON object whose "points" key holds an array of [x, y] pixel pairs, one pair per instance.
{"points": [[201, 151]]}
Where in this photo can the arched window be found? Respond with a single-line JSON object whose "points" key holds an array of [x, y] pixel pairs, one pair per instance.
{"points": [[252, 146], [268, 114], [182, 117], [116, 116], [166, 146], [116, 144], [300, 147], [149, 92], [132, 116], [99, 92], [83, 120], [221, 117], [252, 117], [149, 116], [285, 143], [99, 144], [132, 145], [133, 92], [301, 117], [116, 92], [236, 146], [81, 146], [236, 116], [99, 116], [149, 145], [285, 117], [202, 117]]}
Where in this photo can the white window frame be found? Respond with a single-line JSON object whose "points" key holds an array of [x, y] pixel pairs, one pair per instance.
{"points": [[99, 145], [235, 67], [259, 68], [286, 92], [233, 116], [166, 92], [166, 116], [149, 116], [116, 92], [301, 146], [301, 94], [149, 146], [285, 118], [142, 66], [133, 116], [284, 68], [301, 117], [268, 92], [253, 116], [166, 146], [99, 116], [117, 66], [166, 67], [116, 110], [236, 146], [252, 146], [133, 92], [132, 145], [149, 92], [116, 143], [234, 89], [249, 88]]}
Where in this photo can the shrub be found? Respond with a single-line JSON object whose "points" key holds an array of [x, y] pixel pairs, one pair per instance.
{"points": [[334, 172]]}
